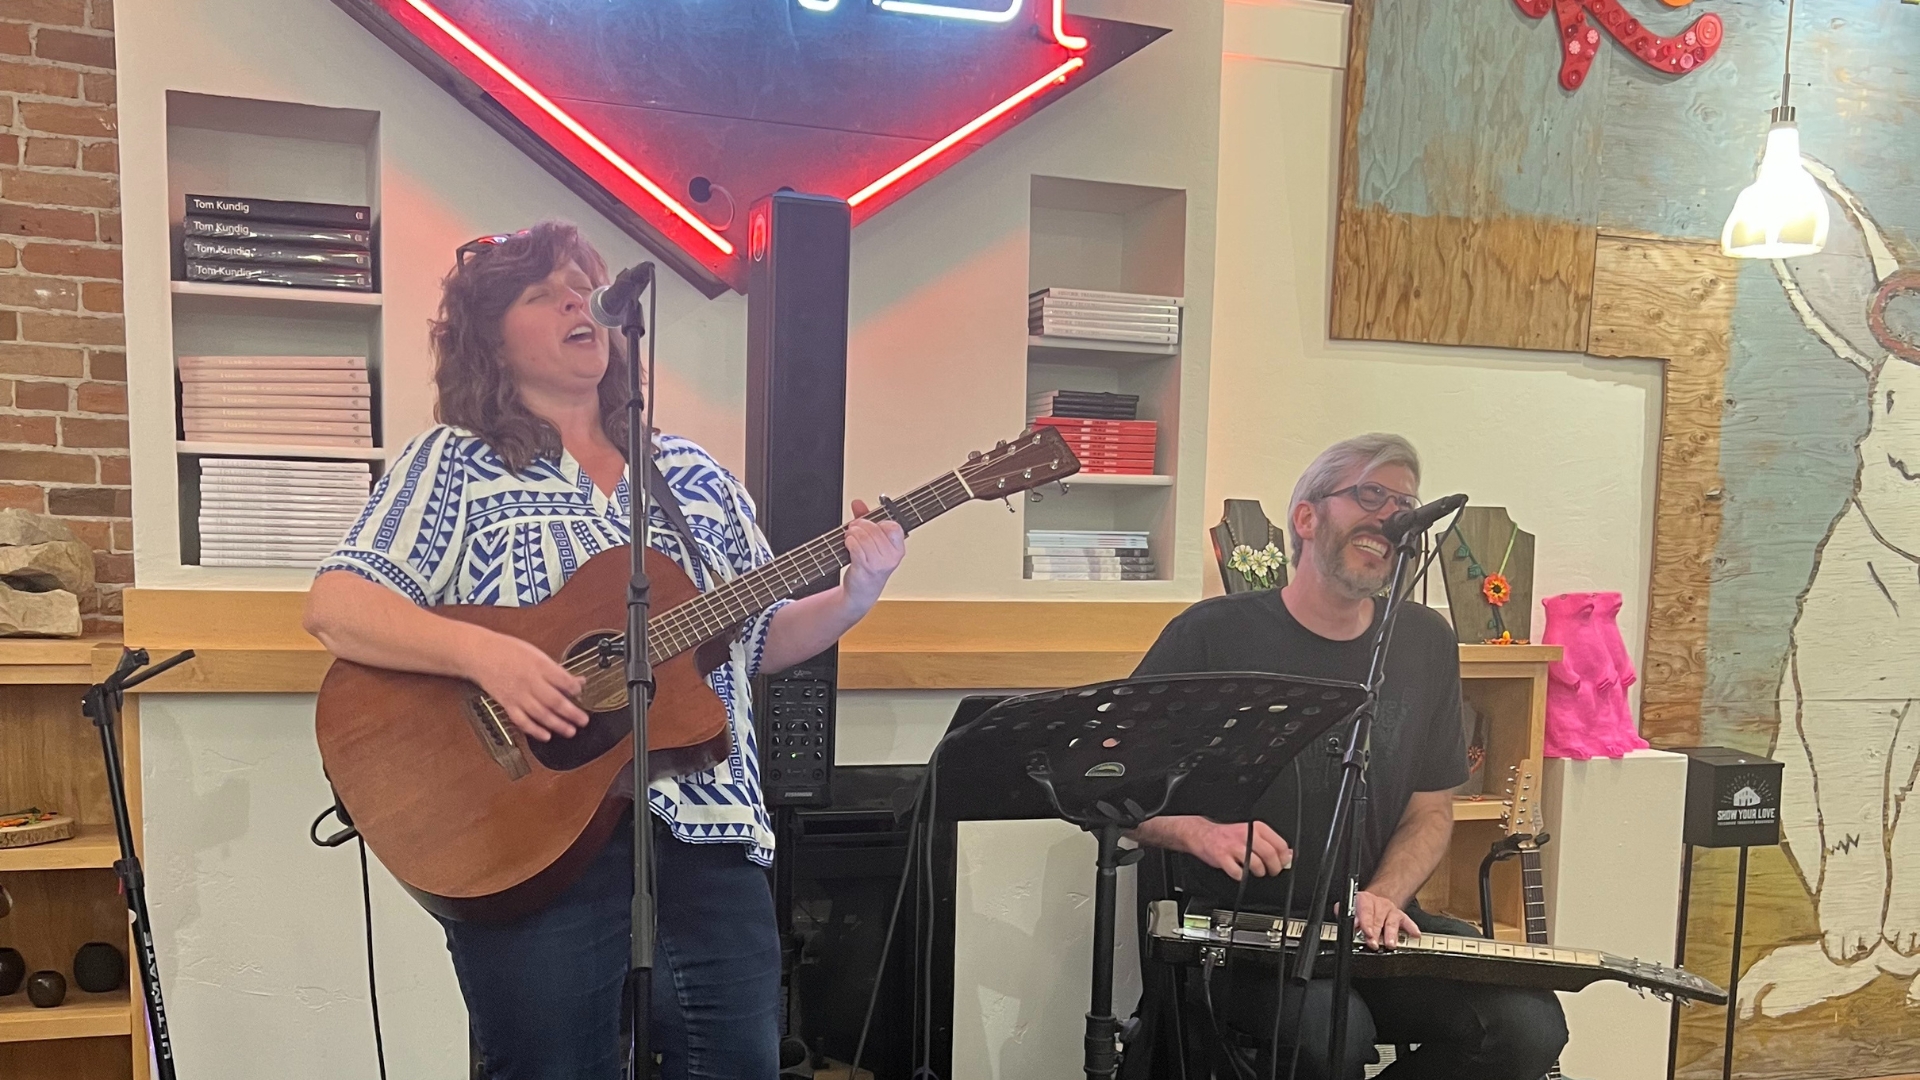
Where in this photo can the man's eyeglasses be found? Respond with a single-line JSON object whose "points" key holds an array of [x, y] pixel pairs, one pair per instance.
{"points": [[465, 252], [1372, 497]]}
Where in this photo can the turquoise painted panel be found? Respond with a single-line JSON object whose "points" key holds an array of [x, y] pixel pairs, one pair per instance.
{"points": [[1677, 151], [1464, 115], [1794, 414]]}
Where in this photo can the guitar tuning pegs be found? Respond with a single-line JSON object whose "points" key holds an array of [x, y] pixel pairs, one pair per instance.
{"points": [[1010, 508], [1001, 445], [1064, 489], [974, 455]]}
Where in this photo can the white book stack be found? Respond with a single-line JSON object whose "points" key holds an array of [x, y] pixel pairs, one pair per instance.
{"points": [[265, 512], [1104, 316], [1088, 555], [280, 400]]}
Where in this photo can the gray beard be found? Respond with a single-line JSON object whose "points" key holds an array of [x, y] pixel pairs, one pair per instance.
{"points": [[1351, 583]]}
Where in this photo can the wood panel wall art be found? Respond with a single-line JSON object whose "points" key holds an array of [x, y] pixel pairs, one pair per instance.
{"points": [[1487, 199]]}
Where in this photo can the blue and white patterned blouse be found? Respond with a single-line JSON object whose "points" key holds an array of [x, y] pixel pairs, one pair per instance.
{"points": [[450, 523]]}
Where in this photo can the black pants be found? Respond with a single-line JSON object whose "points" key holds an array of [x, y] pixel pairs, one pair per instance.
{"points": [[1464, 1031]]}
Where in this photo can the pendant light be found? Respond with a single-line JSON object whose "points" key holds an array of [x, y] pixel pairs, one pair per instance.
{"points": [[1783, 213]]}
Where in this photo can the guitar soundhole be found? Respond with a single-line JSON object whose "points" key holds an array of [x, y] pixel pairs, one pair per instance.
{"points": [[604, 728]]}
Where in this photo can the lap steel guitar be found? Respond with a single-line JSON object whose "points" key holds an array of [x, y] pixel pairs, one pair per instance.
{"points": [[480, 822]]}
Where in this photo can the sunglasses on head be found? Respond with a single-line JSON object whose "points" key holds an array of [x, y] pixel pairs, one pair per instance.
{"points": [[465, 253]]}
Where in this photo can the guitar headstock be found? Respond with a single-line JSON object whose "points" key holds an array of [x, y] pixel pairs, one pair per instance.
{"points": [[1037, 457], [1522, 816]]}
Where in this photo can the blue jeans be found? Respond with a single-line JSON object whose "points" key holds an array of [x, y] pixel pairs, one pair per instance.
{"points": [[543, 993]]}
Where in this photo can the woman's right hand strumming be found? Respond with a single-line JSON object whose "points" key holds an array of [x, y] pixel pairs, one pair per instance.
{"points": [[536, 691], [369, 624]]}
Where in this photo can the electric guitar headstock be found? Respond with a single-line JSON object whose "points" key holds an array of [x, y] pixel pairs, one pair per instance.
{"points": [[1038, 456], [1522, 815]]}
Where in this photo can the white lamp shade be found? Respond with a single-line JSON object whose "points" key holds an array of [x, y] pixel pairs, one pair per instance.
{"points": [[1781, 214]]}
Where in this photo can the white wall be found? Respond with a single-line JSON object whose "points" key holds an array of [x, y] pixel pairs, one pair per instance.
{"points": [[1567, 444]]}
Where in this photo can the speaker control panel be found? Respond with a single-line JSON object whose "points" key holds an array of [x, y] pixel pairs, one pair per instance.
{"points": [[796, 710]]}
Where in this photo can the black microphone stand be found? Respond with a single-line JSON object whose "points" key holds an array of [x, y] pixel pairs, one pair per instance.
{"points": [[1339, 858], [102, 706], [639, 992]]}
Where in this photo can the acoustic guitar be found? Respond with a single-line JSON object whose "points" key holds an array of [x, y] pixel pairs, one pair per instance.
{"points": [[480, 822]]}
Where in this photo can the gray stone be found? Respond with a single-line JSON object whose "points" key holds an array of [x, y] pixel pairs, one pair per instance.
{"points": [[20, 528], [61, 564], [38, 614]]}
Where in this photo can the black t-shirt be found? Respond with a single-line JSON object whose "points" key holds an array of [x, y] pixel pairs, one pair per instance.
{"points": [[1417, 741]]}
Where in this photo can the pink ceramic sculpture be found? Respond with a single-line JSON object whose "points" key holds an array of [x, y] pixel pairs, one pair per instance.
{"points": [[1587, 711]]}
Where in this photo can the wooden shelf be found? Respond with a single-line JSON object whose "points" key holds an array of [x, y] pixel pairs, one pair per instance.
{"points": [[1117, 480], [51, 661], [336, 453], [1479, 809], [81, 1016], [91, 847], [1064, 350], [212, 290]]}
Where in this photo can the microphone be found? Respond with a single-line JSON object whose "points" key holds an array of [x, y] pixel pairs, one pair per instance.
{"points": [[1406, 523], [609, 305]]}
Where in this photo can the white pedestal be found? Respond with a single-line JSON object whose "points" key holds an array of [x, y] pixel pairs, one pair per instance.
{"points": [[1613, 883]]}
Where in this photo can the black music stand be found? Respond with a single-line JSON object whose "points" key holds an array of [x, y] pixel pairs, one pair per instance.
{"points": [[1109, 756]]}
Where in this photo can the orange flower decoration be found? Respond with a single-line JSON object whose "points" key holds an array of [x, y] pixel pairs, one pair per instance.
{"points": [[1496, 589], [1506, 638]]}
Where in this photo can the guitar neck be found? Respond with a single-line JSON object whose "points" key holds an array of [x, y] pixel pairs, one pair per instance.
{"points": [[713, 613], [1533, 887]]}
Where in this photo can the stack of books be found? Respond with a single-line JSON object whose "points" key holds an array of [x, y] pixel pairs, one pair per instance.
{"points": [[1100, 429], [263, 512], [1104, 316], [1088, 555], [283, 400], [269, 242]]}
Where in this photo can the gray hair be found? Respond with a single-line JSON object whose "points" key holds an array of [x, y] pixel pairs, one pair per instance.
{"points": [[1362, 452]]}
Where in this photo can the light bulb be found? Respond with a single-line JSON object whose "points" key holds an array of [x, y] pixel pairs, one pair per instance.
{"points": [[1783, 213]]}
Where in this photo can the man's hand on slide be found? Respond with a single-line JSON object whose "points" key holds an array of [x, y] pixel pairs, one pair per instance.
{"points": [[1380, 922], [1221, 846]]}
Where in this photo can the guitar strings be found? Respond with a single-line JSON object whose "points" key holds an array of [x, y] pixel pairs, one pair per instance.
{"points": [[684, 627]]}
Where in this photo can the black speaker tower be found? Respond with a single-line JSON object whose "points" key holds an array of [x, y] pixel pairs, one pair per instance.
{"points": [[798, 251]]}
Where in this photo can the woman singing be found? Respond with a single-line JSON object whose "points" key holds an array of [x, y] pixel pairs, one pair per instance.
{"points": [[524, 479]]}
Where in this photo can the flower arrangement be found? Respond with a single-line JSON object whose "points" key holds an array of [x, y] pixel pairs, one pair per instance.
{"points": [[1495, 588], [1261, 568]]}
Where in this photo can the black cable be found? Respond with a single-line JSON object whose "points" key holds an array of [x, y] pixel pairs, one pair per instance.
{"points": [[893, 921], [924, 1067], [373, 989], [1233, 924]]}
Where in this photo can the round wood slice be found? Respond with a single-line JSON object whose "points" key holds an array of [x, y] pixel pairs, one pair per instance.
{"points": [[58, 827]]}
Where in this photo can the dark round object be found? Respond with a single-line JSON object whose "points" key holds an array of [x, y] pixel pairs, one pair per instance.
{"points": [[46, 989], [700, 189], [99, 968], [13, 971]]}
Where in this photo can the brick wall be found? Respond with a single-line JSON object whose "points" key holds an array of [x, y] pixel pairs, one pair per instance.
{"points": [[63, 364]]}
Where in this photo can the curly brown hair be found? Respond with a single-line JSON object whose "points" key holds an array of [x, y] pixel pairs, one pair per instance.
{"points": [[475, 389]]}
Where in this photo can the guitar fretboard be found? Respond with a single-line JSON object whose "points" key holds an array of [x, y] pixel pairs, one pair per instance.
{"points": [[1534, 889], [713, 613]]}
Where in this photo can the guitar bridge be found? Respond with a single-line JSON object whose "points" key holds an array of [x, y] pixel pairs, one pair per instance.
{"points": [[495, 730]]}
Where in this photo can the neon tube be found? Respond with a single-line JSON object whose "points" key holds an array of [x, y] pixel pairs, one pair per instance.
{"points": [[948, 11], [560, 115], [1067, 41], [1052, 78]]}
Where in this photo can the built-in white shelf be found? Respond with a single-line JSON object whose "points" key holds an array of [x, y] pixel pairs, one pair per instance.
{"points": [[337, 453], [1065, 350], [275, 292], [1118, 480]]}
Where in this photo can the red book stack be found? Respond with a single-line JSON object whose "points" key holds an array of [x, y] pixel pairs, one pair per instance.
{"points": [[1100, 429]]}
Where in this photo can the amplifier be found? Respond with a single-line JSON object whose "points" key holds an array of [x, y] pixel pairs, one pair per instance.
{"points": [[1733, 798]]}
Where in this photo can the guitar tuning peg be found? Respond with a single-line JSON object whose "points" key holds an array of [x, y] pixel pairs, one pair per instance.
{"points": [[1064, 489], [974, 455], [1001, 445], [1009, 503]]}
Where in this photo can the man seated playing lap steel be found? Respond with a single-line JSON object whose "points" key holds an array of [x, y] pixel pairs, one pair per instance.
{"points": [[1322, 625]]}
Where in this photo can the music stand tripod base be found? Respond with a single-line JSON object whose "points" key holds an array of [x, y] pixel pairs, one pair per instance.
{"points": [[1112, 755]]}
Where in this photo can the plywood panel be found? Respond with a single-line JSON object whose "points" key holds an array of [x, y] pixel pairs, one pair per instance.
{"points": [[1468, 190], [1673, 301], [1507, 282]]}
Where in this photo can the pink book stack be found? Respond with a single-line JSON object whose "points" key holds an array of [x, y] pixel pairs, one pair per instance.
{"points": [[266, 512], [282, 400]]}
